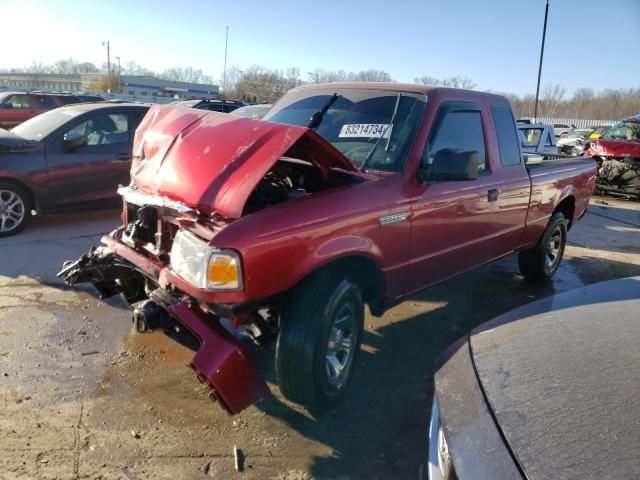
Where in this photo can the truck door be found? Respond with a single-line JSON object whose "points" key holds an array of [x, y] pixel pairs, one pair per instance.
{"points": [[455, 222]]}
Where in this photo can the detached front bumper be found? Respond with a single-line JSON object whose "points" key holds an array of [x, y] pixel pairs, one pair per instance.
{"points": [[220, 361]]}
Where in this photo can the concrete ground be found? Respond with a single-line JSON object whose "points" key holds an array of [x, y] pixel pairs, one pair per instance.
{"points": [[81, 396]]}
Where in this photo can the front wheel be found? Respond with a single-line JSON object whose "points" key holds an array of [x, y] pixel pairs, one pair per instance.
{"points": [[15, 209], [319, 339], [541, 262]]}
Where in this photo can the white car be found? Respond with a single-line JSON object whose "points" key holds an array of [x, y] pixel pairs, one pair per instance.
{"points": [[562, 129]]}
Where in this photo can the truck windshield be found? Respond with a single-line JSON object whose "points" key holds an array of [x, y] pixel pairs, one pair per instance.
{"points": [[623, 131], [356, 121]]}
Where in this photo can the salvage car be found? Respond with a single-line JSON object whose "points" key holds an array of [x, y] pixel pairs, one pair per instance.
{"points": [[253, 111], [617, 153], [226, 106], [17, 107], [598, 131], [538, 138], [562, 129], [549, 390], [344, 194], [65, 158], [574, 142]]}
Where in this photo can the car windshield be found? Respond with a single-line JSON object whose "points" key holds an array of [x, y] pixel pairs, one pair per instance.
{"points": [[39, 127], [623, 131], [358, 122], [252, 111]]}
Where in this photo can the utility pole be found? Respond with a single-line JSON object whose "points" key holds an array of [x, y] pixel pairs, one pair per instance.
{"points": [[224, 74], [119, 76], [108, 66], [544, 34]]}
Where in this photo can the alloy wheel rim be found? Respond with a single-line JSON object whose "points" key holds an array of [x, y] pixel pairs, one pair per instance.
{"points": [[12, 210], [340, 346], [554, 245]]}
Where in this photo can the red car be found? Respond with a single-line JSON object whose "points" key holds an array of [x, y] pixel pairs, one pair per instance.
{"points": [[344, 195], [617, 153], [17, 107]]}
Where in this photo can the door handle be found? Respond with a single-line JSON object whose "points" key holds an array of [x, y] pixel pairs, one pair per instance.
{"points": [[123, 157], [492, 195]]}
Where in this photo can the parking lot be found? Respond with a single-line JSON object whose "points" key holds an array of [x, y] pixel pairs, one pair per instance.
{"points": [[83, 397]]}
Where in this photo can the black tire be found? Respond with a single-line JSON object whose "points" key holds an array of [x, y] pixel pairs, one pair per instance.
{"points": [[541, 262], [305, 372], [15, 209]]}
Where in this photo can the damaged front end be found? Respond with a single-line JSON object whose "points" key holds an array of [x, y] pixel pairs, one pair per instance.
{"points": [[220, 361], [194, 174], [619, 177], [618, 167], [617, 154]]}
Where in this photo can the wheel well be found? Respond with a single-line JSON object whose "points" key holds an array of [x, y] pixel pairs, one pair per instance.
{"points": [[366, 274], [19, 184], [567, 207]]}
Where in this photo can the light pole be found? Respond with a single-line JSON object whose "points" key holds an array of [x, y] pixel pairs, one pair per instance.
{"points": [[544, 34], [224, 73], [119, 76], [108, 66]]}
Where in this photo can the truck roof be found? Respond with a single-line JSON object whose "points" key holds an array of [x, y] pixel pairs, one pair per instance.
{"points": [[398, 87]]}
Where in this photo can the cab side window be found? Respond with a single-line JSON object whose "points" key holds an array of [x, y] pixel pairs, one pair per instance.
{"points": [[460, 130]]}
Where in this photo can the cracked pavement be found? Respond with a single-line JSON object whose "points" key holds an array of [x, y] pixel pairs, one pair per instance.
{"points": [[82, 397]]}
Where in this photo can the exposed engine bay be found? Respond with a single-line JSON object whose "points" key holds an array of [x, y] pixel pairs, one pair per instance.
{"points": [[291, 178], [619, 176]]}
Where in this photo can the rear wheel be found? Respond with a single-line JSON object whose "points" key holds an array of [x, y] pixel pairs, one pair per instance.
{"points": [[319, 339], [15, 209], [541, 262]]}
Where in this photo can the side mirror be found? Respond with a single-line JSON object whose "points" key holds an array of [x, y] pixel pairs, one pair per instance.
{"points": [[72, 145], [450, 165]]}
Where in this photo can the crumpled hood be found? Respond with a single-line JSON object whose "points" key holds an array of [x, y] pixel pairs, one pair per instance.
{"points": [[614, 148], [212, 161], [9, 141]]}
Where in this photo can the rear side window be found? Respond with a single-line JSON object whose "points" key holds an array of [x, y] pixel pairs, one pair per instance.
{"points": [[507, 137], [45, 102], [461, 130]]}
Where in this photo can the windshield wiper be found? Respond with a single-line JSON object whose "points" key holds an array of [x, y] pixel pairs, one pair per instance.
{"points": [[389, 129], [316, 118]]}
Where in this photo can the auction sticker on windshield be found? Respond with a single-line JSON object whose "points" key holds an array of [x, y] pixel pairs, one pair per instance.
{"points": [[370, 130]]}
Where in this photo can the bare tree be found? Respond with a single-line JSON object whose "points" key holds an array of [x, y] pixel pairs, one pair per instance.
{"points": [[550, 100], [453, 82], [184, 74], [134, 68]]}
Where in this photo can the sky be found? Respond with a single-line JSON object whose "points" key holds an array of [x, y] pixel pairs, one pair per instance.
{"points": [[496, 43]]}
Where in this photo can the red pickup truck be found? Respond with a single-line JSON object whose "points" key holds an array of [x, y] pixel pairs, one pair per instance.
{"points": [[347, 194]]}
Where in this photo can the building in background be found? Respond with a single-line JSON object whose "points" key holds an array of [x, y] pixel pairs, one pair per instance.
{"points": [[142, 87], [46, 82]]}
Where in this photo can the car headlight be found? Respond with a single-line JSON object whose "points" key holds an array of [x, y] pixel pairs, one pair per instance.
{"points": [[205, 266], [440, 465]]}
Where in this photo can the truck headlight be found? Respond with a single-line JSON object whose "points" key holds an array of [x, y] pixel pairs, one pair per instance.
{"points": [[205, 266]]}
